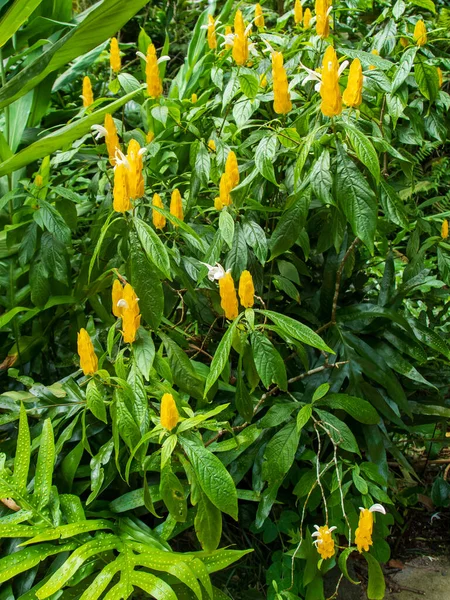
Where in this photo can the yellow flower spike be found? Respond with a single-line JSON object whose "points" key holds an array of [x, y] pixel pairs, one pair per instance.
{"points": [[87, 95], [212, 145], [154, 84], [149, 137], [159, 220], [363, 534], [169, 412], [121, 196], [440, 76], [211, 36], [444, 229], [117, 295], [240, 42], [281, 97], [224, 191], [352, 96], [114, 55], [176, 205], [228, 32], [298, 12], [307, 19], [322, 18], [375, 53], [263, 81], [232, 169], [420, 33], [246, 289], [135, 171], [228, 298], [259, 17], [194, 98], [88, 358], [218, 203], [404, 42], [111, 138], [324, 542], [38, 180], [131, 317], [329, 90]]}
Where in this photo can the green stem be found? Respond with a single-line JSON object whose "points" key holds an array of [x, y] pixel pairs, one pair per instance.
{"points": [[7, 129]]}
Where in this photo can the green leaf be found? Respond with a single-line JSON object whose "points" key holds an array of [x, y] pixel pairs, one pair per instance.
{"points": [[208, 524], [280, 453], [237, 257], [376, 587], [97, 25], [23, 453], [364, 149], [343, 557], [393, 206], [183, 372], [339, 431], [249, 84], [173, 495], [297, 330], [221, 355], [14, 17], [256, 238], [212, 476], [226, 227], [144, 352], [146, 283], [153, 247], [427, 4], [66, 531], [265, 157], [320, 392], [355, 198], [268, 362], [152, 585], [290, 225], [95, 402], [404, 68], [427, 78], [44, 466], [304, 414], [242, 399], [60, 138], [358, 408]]}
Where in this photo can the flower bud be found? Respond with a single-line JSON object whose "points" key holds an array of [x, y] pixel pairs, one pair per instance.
{"points": [[88, 358], [114, 55], [159, 220], [121, 196], [111, 138], [88, 96], [329, 90], [444, 229], [131, 317], [298, 12], [352, 96], [307, 19], [169, 412], [232, 169], [212, 39], [259, 17], [281, 97], [240, 42], [246, 290], [117, 295], [228, 296], [154, 84], [176, 205], [420, 33], [322, 18]]}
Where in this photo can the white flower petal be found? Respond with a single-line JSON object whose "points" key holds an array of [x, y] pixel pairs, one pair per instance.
{"points": [[378, 508], [332, 528], [316, 527], [342, 67], [141, 55], [122, 303], [162, 59]]}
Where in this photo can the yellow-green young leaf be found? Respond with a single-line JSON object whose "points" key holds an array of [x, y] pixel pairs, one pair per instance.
{"points": [[202, 574], [23, 452], [427, 4], [221, 356], [44, 467], [377, 586], [208, 524], [61, 137], [212, 476], [221, 559]]}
